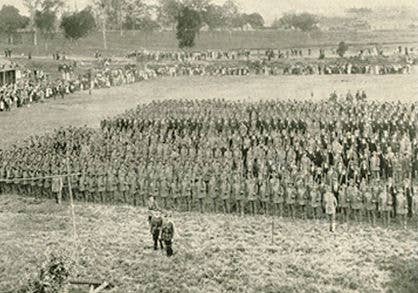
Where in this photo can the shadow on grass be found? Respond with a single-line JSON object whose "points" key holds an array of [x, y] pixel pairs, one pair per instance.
{"points": [[404, 274]]}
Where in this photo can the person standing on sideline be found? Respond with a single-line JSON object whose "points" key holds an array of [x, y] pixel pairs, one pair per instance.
{"points": [[167, 234]]}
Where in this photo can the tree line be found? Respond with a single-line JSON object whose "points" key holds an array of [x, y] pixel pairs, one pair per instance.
{"points": [[187, 17]]}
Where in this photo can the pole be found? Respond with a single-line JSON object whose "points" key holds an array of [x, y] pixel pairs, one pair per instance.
{"points": [[71, 199]]}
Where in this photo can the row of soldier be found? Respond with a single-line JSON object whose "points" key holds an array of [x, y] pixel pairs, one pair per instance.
{"points": [[291, 195]]}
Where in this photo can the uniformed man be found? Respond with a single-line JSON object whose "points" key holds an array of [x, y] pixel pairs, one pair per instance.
{"points": [[384, 205], [315, 199], [167, 234], [156, 223], [330, 204], [401, 206], [356, 200], [344, 202]]}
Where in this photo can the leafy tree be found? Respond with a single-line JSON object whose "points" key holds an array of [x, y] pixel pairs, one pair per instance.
{"points": [[78, 24], [232, 15], [140, 16], [254, 19], [213, 16], [32, 6], [342, 48], [188, 25], [46, 18], [168, 12], [11, 21], [306, 22], [198, 5], [276, 24], [103, 10], [145, 23]]}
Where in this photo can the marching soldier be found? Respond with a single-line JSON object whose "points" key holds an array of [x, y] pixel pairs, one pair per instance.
{"points": [[344, 202], [101, 186], [213, 188], [356, 201], [225, 193], [290, 199], [315, 199], [401, 206], [163, 190], [384, 205], [301, 198], [56, 187], [330, 203], [277, 194], [251, 193], [264, 194], [370, 205]]}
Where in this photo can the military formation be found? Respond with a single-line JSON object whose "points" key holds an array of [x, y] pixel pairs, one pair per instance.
{"points": [[272, 157]]}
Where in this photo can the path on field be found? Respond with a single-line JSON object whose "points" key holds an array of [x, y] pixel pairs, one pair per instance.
{"points": [[81, 109]]}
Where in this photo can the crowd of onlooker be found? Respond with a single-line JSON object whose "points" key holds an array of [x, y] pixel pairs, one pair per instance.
{"points": [[261, 54]]}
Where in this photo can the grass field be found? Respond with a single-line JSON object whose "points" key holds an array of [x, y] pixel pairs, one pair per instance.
{"points": [[81, 109], [214, 253], [120, 45]]}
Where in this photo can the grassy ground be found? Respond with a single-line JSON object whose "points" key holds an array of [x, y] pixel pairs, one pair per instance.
{"points": [[80, 109], [214, 253], [120, 45]]}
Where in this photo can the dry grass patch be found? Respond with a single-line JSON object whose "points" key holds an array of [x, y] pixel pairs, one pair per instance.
{"points": [[214, 253]]}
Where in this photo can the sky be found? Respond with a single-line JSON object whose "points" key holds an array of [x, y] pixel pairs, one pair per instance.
{"points": [[271, 9]]}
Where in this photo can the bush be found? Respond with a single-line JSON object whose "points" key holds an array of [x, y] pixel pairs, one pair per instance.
{"points": [[188, 25], [53, 275], [342, 48]]}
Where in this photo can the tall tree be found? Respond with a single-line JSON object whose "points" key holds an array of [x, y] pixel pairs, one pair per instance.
{"points": [[232, 13], [118, 11], [32, 6], [168, 12], [188, 26], [11, 21], [306, 22], [213, 16], [342, 48], [78, 24], [197, 5], [140, 15], [46, 18], [254, 19], [103, 10]]}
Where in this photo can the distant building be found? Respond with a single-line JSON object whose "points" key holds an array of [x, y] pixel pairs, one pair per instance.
{"points": [[8, 75]]}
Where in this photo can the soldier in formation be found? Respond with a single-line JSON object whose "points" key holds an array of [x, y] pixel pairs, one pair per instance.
{"points": [[269, 157]]}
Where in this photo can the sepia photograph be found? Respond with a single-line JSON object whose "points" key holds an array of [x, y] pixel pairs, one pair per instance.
{"points": [[205, 146]]}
